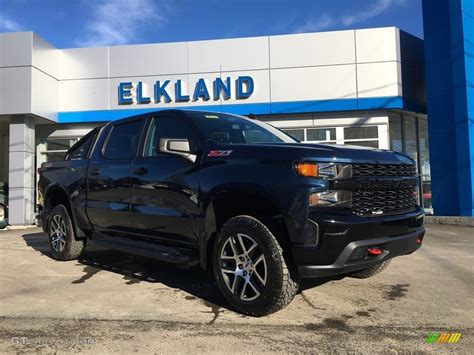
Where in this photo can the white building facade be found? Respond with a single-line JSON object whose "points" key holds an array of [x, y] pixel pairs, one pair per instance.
{"points": [[362, 87]]}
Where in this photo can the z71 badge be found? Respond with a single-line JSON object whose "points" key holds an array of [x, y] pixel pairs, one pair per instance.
{"points": [[219, 153]]}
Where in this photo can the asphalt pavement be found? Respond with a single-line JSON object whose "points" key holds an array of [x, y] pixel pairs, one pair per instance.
{"points": [[114, 302]]}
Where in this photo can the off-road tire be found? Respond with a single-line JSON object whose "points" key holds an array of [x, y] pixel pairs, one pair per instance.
{"points": [[73, 248], [371, 271], [3, 216], [282, 280]]}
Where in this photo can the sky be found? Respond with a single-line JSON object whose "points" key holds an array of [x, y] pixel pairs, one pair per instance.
{"points": [[92, 23]]}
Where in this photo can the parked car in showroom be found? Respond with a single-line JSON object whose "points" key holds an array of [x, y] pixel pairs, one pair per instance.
{"points": [[3, 205], [235, 196]]}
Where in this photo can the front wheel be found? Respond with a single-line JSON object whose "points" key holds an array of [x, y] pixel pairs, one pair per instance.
{"points": [[62, 241], [250, 268]]}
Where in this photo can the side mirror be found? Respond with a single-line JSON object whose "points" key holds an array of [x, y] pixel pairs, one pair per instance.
{"points": [[177, 147]]}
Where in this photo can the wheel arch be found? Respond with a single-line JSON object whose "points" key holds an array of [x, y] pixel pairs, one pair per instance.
{"points": [[56, 195], [227, 203]]}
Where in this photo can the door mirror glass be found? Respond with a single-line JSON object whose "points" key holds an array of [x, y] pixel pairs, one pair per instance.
{"points": [[177, 147]]}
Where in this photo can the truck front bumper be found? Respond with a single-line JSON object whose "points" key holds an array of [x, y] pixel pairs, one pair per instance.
{"points": [[350, 259], [343, 242]]}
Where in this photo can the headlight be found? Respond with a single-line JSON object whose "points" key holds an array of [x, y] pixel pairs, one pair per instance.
{"points": [[330, 199], [324, 170], [328, 170]]}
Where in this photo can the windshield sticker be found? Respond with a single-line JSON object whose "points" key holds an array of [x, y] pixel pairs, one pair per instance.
{"points": [[211, 116]]}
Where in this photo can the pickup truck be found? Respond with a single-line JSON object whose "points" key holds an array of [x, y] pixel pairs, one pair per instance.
{"points": [[236, 196]]}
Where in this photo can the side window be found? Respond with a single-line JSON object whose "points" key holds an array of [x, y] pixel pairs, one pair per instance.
{"points": [[166, 127], [82, 148], [123, 140]]}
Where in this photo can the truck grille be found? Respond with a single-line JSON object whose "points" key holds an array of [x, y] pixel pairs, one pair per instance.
{"points": [[383, 170], [372, 203]]}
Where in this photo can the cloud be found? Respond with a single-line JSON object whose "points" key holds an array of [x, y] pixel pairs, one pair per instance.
{"points": [[8, 25], [375, 10], [313, 25], [119, 21], [326, 21]]}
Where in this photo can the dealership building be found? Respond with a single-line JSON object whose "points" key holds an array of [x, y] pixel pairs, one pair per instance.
{"points": [[360, 87]]}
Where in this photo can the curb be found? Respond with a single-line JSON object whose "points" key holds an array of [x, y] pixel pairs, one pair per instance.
{"points": [[19, 227], [450, 220]]}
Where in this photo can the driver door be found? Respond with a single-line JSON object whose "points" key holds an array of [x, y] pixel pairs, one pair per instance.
{"points": [[164, 187]]}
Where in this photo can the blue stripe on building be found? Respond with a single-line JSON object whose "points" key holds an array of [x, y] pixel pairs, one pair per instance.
{"points": [[392, 102]]}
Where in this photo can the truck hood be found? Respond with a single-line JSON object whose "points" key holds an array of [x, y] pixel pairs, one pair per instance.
{"points": [[321, 153]]}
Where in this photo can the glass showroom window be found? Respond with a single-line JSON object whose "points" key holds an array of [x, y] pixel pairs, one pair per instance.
{"points": [[409, 135], [395, 124], [313, 135], [424, 157], [53, 149], [298, 134], [367, 136], [321, 135], [410, 143]]}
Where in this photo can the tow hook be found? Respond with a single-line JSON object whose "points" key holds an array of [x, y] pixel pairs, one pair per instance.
{"points": [[374, 251]]}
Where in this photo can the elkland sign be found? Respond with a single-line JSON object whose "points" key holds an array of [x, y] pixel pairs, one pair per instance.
{"points": [[163, 91]]}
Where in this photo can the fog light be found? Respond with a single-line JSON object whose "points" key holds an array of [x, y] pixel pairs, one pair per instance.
{"points": [[313, 199], [330, 199], [323, 198]]}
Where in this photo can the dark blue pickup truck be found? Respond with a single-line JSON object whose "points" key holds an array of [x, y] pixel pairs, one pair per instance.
{"points": [[235, 196]]}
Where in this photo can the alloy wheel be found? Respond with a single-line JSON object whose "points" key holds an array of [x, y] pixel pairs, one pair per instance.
{"points": [[243, 267], [57, 233]]}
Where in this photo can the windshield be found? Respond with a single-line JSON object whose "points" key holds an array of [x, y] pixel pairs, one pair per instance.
{"points": [[230, 129]]}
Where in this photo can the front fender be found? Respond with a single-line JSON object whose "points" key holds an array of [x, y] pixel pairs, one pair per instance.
{"points": [[274, 181]]}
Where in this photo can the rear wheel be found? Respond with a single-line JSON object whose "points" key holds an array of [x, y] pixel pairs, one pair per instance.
{"points": [[3, 216], [62, 242], [250, 268], [371, 271]]}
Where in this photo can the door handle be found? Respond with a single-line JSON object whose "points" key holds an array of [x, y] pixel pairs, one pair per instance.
{"points": [[95, 171], [140, 171]]}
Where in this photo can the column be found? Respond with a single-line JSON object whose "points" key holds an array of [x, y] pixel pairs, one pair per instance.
{"points": [[21, 171], [449, 44]]}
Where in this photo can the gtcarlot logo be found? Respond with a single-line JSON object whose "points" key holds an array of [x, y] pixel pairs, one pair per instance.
{"points": [[443, 338], [51, 341]]}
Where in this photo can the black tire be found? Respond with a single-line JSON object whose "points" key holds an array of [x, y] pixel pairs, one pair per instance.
{"points": [[281, 279], [63, 243], [371, 271], [3, 216]]}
